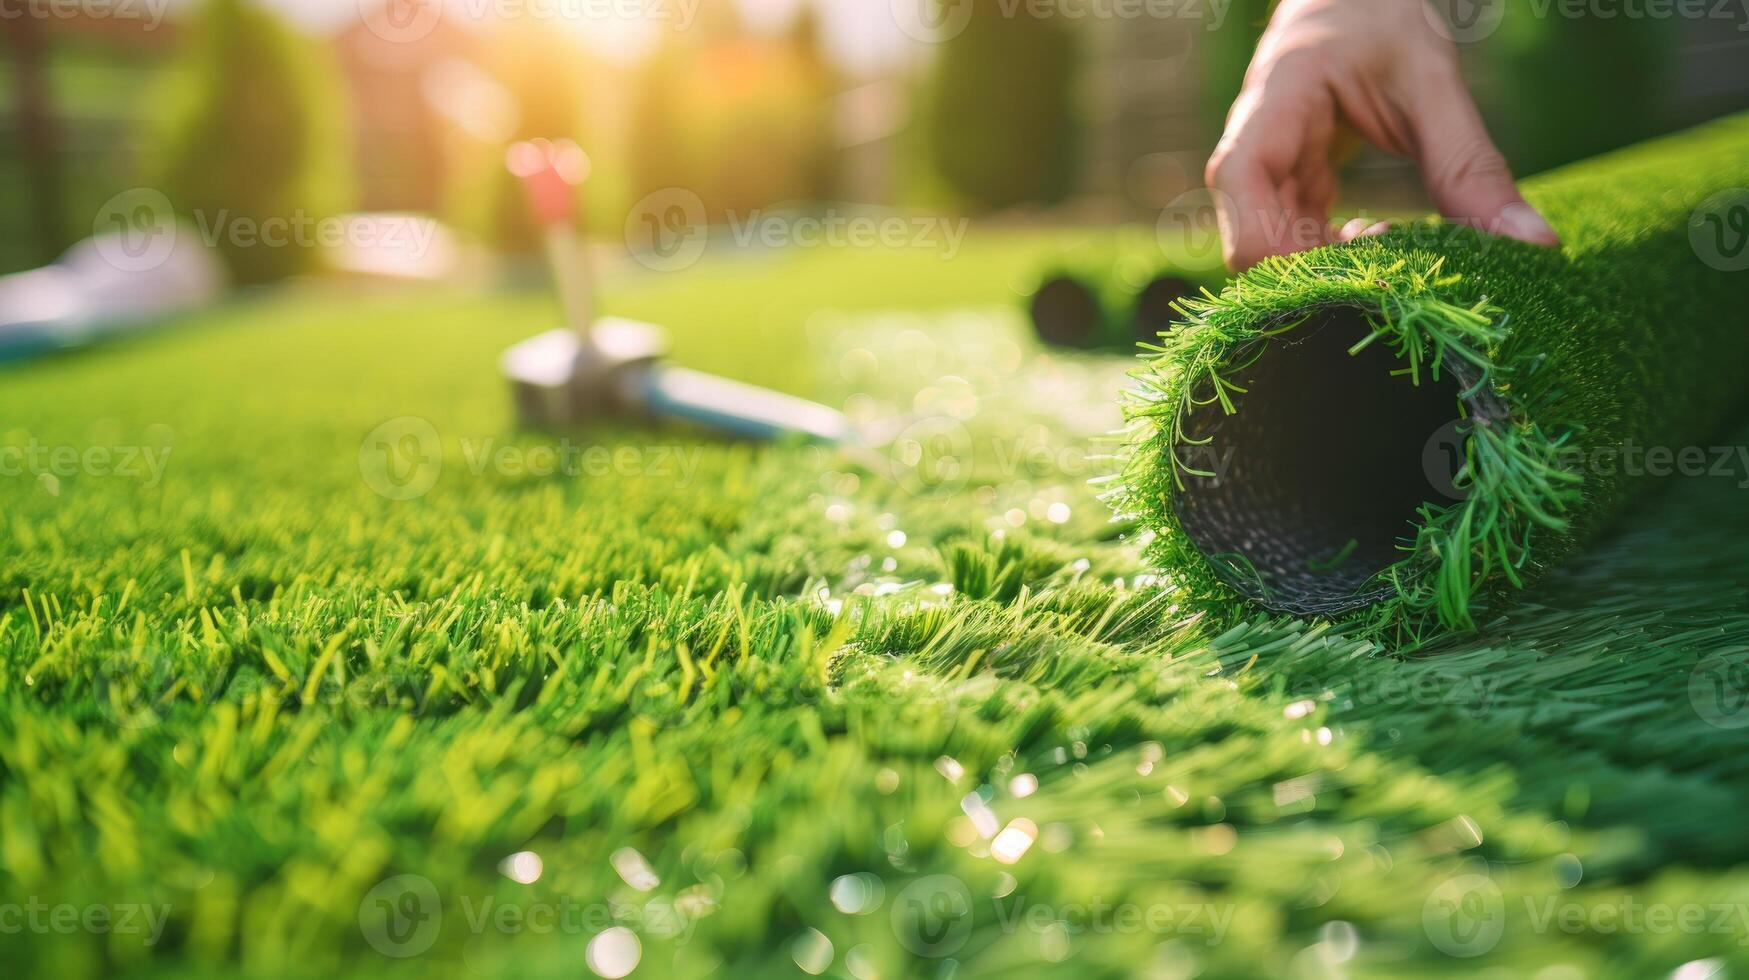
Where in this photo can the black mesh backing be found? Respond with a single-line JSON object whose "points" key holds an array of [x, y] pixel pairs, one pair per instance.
{"points": [[1326, 448]]}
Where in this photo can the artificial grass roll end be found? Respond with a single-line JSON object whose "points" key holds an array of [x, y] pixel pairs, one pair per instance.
{"points": [[1065, 312], [1109, 293], [1157, 304], [1397, 430], [1315, 482]]}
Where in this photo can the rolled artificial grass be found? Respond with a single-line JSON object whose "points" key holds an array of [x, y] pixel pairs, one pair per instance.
{"points": [[1405, 430]]}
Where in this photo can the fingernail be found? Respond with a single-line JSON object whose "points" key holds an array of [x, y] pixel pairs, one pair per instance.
{"points": [[1377, 228], [1521, 221]]}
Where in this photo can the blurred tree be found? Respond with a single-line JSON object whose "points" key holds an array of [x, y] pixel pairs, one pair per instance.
{"points": [[743, 121], [39, 139], [1559, 89], [1000, 108], [656, 155], [819, 82], [544, 72], [257, 138], [1228, 53]]}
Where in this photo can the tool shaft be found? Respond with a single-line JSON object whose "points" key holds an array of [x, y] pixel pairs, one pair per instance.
{"points": [[739, 409], [571, 275]]}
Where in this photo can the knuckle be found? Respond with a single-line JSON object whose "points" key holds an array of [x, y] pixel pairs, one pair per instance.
{"points": [[1219, 168], [1473, 160]]}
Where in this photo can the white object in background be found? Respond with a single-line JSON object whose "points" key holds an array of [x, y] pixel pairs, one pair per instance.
{"points": [[86, 296], [394, 246]]}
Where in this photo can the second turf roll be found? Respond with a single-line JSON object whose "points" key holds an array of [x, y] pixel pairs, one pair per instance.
{"points": [[1405, 429]]}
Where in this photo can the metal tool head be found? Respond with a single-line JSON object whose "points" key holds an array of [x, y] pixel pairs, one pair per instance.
{"points": [[562, 378], [610, 368]]}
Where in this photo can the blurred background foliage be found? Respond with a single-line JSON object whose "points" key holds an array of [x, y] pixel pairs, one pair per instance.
{"points": [[267, 107], [1559, 91], [1003, 127], [255, 130]]}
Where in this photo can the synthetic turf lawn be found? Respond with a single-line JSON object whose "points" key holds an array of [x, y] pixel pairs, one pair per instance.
{"points": [[339, 688]]}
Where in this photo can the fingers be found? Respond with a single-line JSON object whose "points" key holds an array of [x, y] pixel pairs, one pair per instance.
{"points": [[1361, 228], [1272, 177], [1247, 197], [1465, 173]]}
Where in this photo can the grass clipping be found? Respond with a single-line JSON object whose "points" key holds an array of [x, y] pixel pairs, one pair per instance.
{"points": [[1405, 430]]}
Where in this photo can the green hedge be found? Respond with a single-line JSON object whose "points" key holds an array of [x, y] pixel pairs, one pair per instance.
{"points": [[258, 134], [1000, 109], [1554, 364]]}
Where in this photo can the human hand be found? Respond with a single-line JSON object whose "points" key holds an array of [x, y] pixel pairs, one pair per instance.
{"points": [[1326, 71]]}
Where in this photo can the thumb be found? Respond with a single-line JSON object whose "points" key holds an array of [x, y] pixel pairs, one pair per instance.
{"points": [[1465, 173]]}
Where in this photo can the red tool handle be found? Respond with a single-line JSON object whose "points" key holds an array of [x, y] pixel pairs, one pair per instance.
{"points": [[550, 172]]}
